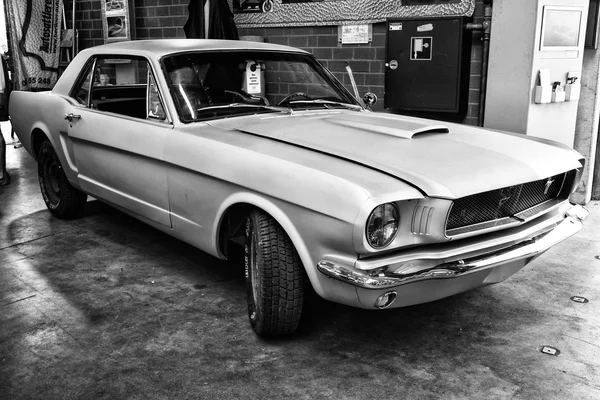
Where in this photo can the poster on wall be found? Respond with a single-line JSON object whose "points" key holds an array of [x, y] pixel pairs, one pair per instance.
{"points": [[304, 1], [35, 38], [428, 2], [117, 20], [252, 6], [287, 13]]}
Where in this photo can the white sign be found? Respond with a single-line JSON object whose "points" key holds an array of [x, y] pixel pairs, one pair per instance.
{"points": [[355, 34], [253, 85], [420, 48], [395, 26], [425, 28]]}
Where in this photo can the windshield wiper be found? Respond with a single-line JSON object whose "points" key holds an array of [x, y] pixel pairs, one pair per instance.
{"points": [[244, 105], [328, 102]]}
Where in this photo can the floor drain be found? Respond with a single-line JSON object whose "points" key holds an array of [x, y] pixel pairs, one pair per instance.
{"points": [[579, 299], [597, 257], [552, 351]]}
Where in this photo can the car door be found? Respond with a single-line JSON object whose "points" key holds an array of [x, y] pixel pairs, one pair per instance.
{"points": [[118, 132]]}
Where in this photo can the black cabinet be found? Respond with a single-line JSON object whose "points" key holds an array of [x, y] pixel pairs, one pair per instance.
{"points": [[427, 65]]}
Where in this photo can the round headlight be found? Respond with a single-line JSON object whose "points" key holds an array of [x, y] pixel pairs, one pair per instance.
{"points": [[382, 225]]}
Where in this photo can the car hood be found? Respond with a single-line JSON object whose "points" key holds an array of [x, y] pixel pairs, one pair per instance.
{"points": [[441, 159]]}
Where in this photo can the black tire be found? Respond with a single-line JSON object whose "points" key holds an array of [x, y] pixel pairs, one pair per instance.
{"points": [[274, 277], [62, 199]]}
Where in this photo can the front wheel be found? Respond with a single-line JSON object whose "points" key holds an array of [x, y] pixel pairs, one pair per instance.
{"points": [[274, 277], [62, 199]]}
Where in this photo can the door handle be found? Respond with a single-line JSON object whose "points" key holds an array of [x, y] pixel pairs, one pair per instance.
{"points": [[72, 116]]}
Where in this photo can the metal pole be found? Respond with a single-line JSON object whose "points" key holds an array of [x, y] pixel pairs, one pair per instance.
{"points": [[486, 27], [73, 44]]}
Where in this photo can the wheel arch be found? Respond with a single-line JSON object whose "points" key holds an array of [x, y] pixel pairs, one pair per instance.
{"points": [[239, 205], [38, 135]]}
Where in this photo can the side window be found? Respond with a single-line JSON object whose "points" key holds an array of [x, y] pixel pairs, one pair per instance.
{"points": [[121, 71], [155, 110], [81, 91], [120, 86]]}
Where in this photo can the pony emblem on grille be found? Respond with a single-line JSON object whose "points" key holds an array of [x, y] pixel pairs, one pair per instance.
{"points": [[506, 194], [549, 183]]}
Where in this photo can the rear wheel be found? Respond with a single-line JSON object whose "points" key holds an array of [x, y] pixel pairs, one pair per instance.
{"points": [[62, 199], [274, 277]]}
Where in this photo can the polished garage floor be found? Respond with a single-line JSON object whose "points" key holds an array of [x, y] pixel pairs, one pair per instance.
{"points": [[105, 307]]}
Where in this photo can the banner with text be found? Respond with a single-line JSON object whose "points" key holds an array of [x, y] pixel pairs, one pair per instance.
{"points": [[35, 29]]}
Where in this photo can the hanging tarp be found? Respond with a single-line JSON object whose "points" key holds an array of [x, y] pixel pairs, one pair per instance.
{"points": [[35, 27], [210, 19]]}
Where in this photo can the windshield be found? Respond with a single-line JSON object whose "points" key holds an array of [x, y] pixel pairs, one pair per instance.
{"points": [[208, 85]]}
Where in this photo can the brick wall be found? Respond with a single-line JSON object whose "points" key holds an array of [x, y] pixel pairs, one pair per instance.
{"points": [[154, 19], [165, 19], [367, 60], [160, 18], [88, 19]]}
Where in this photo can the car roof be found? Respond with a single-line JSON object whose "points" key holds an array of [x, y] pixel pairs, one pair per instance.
{"points": [[162, 47], [157, 48]]}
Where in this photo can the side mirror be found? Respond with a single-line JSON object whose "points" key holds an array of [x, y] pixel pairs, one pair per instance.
{"points": [[370, 99]]}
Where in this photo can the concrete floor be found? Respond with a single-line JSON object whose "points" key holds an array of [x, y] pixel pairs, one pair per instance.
{"points": [[105, 307]]}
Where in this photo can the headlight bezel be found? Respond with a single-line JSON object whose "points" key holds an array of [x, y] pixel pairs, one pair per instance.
{"points": [[381, 209]]}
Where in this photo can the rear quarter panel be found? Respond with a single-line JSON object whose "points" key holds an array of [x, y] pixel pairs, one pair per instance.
{"points": [[44, 112]]}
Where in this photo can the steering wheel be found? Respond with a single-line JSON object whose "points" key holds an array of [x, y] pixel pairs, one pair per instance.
{"points": [[236, 94], [291, 96], [247, 98]]}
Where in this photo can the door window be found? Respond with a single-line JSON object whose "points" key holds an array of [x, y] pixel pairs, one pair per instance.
{"points": [[121, 85]]}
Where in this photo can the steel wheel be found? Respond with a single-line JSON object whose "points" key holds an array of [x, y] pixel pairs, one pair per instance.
{"points": [[52, 179], [62, 199]]}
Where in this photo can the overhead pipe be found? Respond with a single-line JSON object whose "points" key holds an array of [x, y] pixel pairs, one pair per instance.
{"points": [[74, 48], [486, 28]]}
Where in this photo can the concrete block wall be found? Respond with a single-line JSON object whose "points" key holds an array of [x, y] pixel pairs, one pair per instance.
{"points": [[157, 19]]}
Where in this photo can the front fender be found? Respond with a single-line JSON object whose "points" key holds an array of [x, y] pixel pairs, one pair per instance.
{"points": [[310, 248]]}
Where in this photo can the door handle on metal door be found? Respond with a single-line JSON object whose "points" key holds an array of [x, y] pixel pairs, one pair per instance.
{"points": [[72, 116]]}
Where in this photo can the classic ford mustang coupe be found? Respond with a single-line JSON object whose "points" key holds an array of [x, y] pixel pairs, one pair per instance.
{"points": [[226, 143]]}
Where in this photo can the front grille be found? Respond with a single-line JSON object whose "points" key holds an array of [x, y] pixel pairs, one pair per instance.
{"points": [[498, 207]]}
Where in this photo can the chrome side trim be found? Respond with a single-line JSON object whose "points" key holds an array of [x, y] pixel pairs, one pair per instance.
{"points": [[524, 250]]}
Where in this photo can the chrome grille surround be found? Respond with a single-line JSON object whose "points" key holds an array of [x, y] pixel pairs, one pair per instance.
{"points": [[507, 206]]}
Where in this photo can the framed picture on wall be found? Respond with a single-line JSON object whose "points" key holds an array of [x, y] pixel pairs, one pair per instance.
{"points": [[561, 28], [118, 20]]}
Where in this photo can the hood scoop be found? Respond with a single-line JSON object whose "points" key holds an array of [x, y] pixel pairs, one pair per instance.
{"points": [[388, 126]]}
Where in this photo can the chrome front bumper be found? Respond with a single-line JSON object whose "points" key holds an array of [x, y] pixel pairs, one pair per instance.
{"points": [[525, 250]]}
